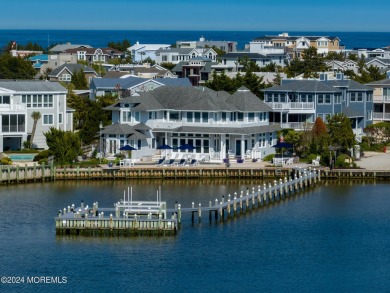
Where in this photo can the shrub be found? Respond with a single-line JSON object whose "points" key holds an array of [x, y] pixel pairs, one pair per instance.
{"points": [[269, 158], [343, 160], [27, 144], [42, 155], [6, 161]]}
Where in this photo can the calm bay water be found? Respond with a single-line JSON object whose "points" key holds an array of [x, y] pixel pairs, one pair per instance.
{"points": [[333, 238], [100, 38]]}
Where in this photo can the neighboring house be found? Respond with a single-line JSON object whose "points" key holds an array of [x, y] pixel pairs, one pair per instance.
{"points": [[140, 52], [232, 60], [372, 53], [381, 100], [61, 48], [144, 71], [338, 66], [131, 85], [176, 55], [24, 53], [381, 63], [94, 55], [39, 62], [217, 124], [297, 103], [297, 44], [198, 70], [18, 99], [227, 46], [65, 72]]}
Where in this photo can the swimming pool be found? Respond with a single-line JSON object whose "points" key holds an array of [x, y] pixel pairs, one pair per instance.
{"points": [[22, 157]]}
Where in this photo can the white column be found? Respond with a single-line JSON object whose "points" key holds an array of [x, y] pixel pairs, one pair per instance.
{"points": [[242, 147], [223, 146]]}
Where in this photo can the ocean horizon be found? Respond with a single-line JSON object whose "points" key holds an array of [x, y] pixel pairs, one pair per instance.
{"points": [[100, 38]]}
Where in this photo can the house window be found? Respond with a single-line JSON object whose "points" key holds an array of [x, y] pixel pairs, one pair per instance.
{"points": [[320, 99], [283, 98], [60, 118], [251, 117], [327, 99], [65, 77], [197, 116], [137, 117], [205, 117], [126, 116], [337, 99], [164, 58], [353, 97], [5, 100], [174, 58], [48, 119], [224, 116], [190, 116], [38, 101], [240, 116], [369, 115], [369, 97], [360, 97], [13, 123]]}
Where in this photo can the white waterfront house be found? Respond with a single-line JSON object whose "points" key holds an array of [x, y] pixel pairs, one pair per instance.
{"points": [[140, 52], [18, 99], [176, 55], [216, 123]]}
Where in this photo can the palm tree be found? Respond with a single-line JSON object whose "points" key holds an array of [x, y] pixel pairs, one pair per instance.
{"points": [[35, 116]]}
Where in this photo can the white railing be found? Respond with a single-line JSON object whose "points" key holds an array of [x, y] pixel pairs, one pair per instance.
{"points": [[278, 106], [297, 125], [381, 116], [302, 106], [381, 98], [292, 105], [13, 107]]}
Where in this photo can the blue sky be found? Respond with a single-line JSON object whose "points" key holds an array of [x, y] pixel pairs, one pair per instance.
{"points": [[258, 15]]}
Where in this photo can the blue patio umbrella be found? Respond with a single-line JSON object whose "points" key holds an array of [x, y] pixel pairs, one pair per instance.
{"points": [[285, 145], [127, 148], [186, 146], [164, 147]]}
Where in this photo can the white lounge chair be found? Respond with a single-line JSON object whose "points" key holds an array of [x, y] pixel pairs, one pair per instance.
{"points": [[316, 161]]}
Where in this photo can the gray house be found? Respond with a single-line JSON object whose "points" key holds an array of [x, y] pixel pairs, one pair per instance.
{"points": [[18, 99], [130, 85], [297, 103], [217, 124]]}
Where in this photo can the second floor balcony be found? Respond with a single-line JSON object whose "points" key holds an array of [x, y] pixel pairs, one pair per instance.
{"points": [[382, 98], [280, 106], [13, 107], [381, 116]]}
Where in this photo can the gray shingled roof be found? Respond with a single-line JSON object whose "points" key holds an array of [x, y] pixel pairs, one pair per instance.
{"points": [[348, 83], [72, 67], [129, 82], [124, 129], [380, 82], [352, 113], [181, 51], [242, 130], [245, 101], [194, 99], [63, 47], [32, 86], [309, 86]]}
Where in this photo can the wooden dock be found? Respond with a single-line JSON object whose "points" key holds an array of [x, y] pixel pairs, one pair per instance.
{"points": [[130, 217], [127, 218], [247, 200]]}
